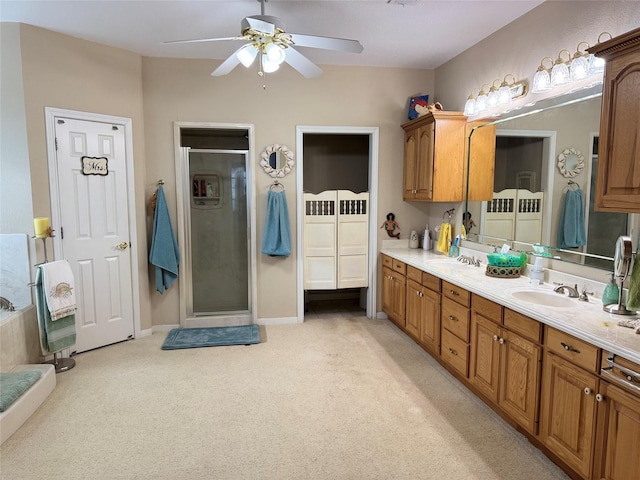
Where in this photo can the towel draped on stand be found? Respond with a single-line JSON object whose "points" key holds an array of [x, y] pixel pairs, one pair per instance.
{"points": [[444, 238], [61, 333], [276, 240], [164, 254]]}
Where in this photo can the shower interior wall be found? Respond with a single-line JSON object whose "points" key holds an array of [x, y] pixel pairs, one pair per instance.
{"points": [[336, 162]]}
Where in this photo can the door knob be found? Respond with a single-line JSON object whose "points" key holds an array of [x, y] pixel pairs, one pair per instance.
{"points": [[122, 246]]}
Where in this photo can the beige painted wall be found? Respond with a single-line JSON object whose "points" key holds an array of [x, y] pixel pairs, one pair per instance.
{"points": [[519, 47], [183, 90], [64, 72]]}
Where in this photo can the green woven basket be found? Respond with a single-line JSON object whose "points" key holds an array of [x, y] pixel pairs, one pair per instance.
{"points": [[507, 259]]}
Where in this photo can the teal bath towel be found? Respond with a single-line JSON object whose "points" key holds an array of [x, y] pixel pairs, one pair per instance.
{"points": [[633, 297], [571, 233], [164, 254], [277, 236], [54, 336]]}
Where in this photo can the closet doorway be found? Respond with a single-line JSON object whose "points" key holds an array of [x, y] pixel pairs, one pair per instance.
{"points": [[216, 227], [334, 159]]}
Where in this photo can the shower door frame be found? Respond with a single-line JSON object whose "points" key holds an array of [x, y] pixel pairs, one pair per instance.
{"points": [[183, 201]]}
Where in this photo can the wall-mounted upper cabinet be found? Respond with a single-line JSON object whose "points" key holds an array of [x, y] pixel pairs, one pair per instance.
{"points": [[618, 183], [434, 157]]}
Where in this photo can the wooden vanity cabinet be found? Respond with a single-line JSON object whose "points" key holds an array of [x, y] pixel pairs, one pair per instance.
{"points": [[394, 284], [568, 410], [618, 180], [618, 424], [505, 360], [455, 314], [479, 168], [434, 157], [423, 309]]}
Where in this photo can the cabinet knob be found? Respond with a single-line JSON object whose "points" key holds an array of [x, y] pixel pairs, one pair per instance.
{"points": [[599, 397], [453, 292], [452, 351], [587, 391], [452, 318], [495, 338], [501, 341]]}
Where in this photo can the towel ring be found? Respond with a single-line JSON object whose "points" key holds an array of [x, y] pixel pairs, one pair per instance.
{"points": [[276, 184], [449, 213]]}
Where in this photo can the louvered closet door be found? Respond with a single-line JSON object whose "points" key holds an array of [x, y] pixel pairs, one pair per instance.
{"points": [[320, 250], [353, 244]]}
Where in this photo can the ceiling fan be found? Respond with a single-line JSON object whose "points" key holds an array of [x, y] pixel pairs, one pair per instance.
{"points": [[267, 40]]}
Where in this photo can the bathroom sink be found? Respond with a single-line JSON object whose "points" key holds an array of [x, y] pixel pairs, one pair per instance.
{"points": [[547, 299]]}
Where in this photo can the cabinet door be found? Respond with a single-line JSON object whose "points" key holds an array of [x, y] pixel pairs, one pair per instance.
{"points": [[410, 162], [399, 289], [387, 291], [415, 302], [424, 164], [430, 328], [485, 355], [567, 417], [520, 379], [619, 434]]}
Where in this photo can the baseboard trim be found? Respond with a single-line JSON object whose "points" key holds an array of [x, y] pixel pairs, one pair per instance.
{"points": [[277, 321]]}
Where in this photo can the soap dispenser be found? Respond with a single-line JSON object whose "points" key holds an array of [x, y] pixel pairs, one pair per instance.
{"points": [[611, 292], [426, 239]]}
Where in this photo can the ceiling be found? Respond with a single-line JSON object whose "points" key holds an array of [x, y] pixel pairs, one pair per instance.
{"points": [[395, 33]]}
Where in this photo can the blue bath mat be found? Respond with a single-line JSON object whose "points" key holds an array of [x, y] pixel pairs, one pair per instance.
{"points": [[211, 337]]}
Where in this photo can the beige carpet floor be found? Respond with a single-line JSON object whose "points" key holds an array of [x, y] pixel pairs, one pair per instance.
{"points": [[337, 397]]}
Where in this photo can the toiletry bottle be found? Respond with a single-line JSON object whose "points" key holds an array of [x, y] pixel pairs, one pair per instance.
{"points": [[426, 240], [537, 272], [413, 239], [611, 292]]}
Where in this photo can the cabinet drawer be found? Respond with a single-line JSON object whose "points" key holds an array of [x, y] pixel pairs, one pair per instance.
{"points": [[431, 282], [487, 308], [622, 372], [455, 318], [457, 294], [414, 274], [455, 352], [525, 326], [573, 349], [387, 261], [399, 266]]}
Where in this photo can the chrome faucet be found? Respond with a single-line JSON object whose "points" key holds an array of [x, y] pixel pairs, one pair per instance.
{"points": [[573, 291], [469, 260], [6, 304]]}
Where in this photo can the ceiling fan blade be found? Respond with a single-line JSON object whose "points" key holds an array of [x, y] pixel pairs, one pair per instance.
{"points": [[327, 43], [198, 40], [261, 23], [302, 64], [229, 64]]}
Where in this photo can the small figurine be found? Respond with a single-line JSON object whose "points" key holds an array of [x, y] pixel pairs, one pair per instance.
{"points": [[467, 221], [390, 225]]}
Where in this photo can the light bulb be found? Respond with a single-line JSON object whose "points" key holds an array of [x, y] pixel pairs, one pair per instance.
{"points": [[470, 106], [481, 102], [579, 67], [275, 53], [247, 54]]}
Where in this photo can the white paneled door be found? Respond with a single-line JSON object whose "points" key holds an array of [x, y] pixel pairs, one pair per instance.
{"points": [[94, 228]]}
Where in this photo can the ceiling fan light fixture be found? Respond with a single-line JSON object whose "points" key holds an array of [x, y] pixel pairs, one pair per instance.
{"points": [[275, 53], [269, 66], [247, 54]]}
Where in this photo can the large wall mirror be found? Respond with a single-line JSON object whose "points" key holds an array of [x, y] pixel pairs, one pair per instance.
{"points": [[535, 207]]}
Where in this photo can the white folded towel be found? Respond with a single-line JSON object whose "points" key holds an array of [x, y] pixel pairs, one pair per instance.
{"points": [[58, 287]]}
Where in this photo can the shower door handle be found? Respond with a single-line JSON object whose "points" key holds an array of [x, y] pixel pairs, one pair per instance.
{"points": [[122, 246]]}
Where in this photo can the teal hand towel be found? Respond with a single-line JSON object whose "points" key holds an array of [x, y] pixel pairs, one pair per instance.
{"points": [[571, 231], [633, 297], [277, 235], [164, 254], [54, 336]]}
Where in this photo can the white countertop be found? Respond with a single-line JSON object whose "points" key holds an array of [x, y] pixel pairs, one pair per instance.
{"points": [[584, 320]]}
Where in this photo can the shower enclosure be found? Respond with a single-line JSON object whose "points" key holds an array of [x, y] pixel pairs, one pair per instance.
{"points": [[215, 216]]}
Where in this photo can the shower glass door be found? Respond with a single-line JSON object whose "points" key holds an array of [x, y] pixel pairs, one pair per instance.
{"points": [[219, 231]]}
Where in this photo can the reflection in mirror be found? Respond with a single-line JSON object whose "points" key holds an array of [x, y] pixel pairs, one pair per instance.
{"points": [[277, 160], [535, 203]]}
